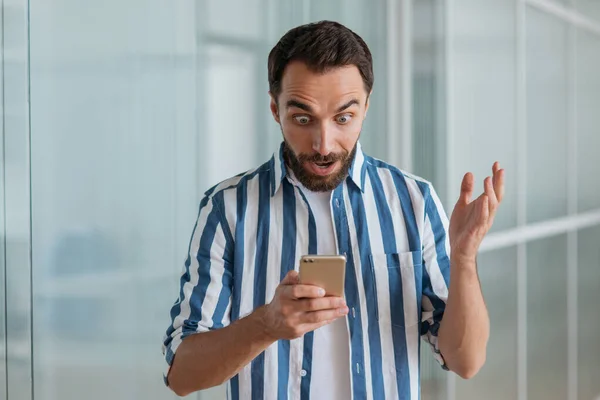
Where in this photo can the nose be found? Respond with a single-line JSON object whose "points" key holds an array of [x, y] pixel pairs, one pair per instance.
{"points": [[323, 140]]}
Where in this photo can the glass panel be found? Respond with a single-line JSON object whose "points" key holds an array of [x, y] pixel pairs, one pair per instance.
{"points": [[498, 378], [588, 325], [114, 188], [546, 117], [547, 318], [482, 122], [433, 378], [588, 120], [429, 112]]}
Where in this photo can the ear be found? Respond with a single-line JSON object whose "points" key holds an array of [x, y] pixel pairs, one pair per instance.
{"points": [[274, 108]]}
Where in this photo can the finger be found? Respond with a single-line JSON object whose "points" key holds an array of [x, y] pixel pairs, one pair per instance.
{"points": [[323, 303], [498, 182], [483, 212], [466, 188], [495, 167], [317, 317], [300, 291], [291, 278], [488, 188]]}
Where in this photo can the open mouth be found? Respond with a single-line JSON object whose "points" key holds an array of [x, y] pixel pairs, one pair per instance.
{"points": [[321, 168], [324, 165]]}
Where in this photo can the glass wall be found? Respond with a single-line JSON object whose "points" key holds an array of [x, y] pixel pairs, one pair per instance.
{"points": [[117, 116], [547, 116], [498, 378], [520, 85], [115, 177]]}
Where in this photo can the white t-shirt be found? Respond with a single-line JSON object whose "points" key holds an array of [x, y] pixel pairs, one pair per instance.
{"points": [[330, 377]]}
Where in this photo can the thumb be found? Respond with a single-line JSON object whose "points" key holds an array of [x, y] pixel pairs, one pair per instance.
{"points": [[291, 278]]}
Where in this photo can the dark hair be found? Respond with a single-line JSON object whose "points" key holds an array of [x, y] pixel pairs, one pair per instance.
{"points": [[321, 46]]}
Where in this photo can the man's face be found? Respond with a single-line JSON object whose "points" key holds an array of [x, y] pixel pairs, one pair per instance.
{"points": [[321, 117]]}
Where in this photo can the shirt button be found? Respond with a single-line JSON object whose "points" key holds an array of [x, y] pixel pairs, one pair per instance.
{"points": [[303, 373], [337, 202]]}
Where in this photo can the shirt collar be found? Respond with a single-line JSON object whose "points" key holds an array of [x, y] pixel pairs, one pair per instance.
{"points": [[279, 169]]}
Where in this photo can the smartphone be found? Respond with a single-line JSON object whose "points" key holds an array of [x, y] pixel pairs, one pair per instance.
{"points": [[325, 271]]}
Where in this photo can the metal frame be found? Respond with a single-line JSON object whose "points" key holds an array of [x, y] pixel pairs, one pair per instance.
{"points": [[450, 129], [521, 140], [528, 232], [572, 203], [3, 299], [17, 196]]}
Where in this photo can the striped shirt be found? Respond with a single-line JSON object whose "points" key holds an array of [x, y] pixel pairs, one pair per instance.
{"points": [[252, 229]]}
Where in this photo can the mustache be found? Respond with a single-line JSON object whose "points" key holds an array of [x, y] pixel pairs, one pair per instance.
{"points": [[318, 158]]}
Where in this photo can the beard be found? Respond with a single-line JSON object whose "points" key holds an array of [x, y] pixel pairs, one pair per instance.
{"points": [[311, 181]]}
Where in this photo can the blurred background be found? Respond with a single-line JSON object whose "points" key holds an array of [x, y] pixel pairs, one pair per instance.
{"points": [[118, 115]]}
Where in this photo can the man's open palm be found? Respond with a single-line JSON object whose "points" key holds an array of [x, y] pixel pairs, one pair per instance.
{"points": [[472, 219]]}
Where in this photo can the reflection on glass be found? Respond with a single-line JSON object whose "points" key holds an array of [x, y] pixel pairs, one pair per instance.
{"points": [[547, 318], [546, 117], [588, 326], [498, 378], [588, 120]]}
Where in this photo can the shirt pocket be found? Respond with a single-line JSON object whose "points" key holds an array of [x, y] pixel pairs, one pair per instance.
{"points": [[397, 285]]}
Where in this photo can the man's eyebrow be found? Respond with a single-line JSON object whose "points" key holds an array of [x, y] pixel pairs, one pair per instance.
{"points": [[307, 108], [348, 104], [297, 104]]}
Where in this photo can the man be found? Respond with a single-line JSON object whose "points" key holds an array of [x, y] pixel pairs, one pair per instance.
{"points": [[243, 316]]}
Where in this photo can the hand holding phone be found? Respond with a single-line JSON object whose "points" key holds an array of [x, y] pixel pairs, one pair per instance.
{"points": [[297, 309]]}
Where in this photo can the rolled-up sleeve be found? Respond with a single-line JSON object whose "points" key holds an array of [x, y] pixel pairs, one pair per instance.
{"points": [[436, 269], [205, 286]]}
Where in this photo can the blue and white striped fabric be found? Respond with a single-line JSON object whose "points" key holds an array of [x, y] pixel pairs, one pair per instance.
{"points": [[252, 229]]}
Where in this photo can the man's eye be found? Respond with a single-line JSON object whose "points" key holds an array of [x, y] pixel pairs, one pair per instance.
{"points": [[344, 119], [302, 119]]}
